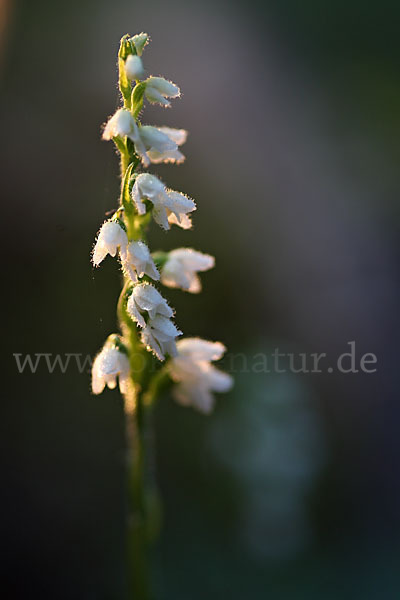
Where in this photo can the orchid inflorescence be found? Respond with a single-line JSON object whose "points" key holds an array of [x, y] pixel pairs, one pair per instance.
{"points": [[146, 355], [145, 317]]}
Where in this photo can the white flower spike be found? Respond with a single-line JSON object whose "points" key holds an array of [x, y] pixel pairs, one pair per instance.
{"points": [[111, 236], [145, 318], [159, 337], [194, 375], [182, 266], [109, 364], [137, 261], [159, 89], [145, 298], [168, 206], [134, 67], [143, 312]]}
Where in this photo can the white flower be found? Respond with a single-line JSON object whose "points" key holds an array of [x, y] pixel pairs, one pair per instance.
{"points": [[134, 67], [110, 237], [145, 297], [121, 123], [157, 146], [139, 41], [182, 266], [168, 206], [159, 89], [137, 261], [109, 364], [159, 336], [152, 144], [178, 136], [196, 378]]}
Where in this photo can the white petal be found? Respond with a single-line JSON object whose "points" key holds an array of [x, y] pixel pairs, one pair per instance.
{"points": [[217, 380], [193, 259], [111, 381], [137, 198], [181, 267], [196, 396], [161, 217], [151, 343], [154, 139], [124, 383], [138, 260], [98, 382], [184, 221], [99, 253], [139, 41], [155, 97], [169, 156], [151, 270], [129, 269], [121, 123], [179, 136], [172, 275], [199, 349], [111, 236], [109, 364], [179, 203], [164, 87], [134, 312], [195, 284], [147, 186]]}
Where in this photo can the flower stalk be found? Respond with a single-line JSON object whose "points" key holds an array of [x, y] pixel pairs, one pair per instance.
{"points": [[145, 356]]}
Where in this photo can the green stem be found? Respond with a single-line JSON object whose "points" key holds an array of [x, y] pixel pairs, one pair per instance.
{"points": [[137, 545]]}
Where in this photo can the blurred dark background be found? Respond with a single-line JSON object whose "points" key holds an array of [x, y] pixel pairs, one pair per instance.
{"points": [[291, 488]]}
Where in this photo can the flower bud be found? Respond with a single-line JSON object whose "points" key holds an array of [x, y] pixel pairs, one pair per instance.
{"points": [[134, 67], [140, 41]]}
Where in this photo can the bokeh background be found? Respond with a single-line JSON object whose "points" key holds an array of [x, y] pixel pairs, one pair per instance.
{"points": [[290, 490]]}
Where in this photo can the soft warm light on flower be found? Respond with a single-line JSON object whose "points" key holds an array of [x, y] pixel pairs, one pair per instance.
{"points": [[145, 298], [111, 236], [109, 364], [178, 137], [168, 206], [145, 317], [120, 124], [159, 336], [134, 67], [139, 41], [182, 266], [196, 378], [159, 89], [137, 261]]}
